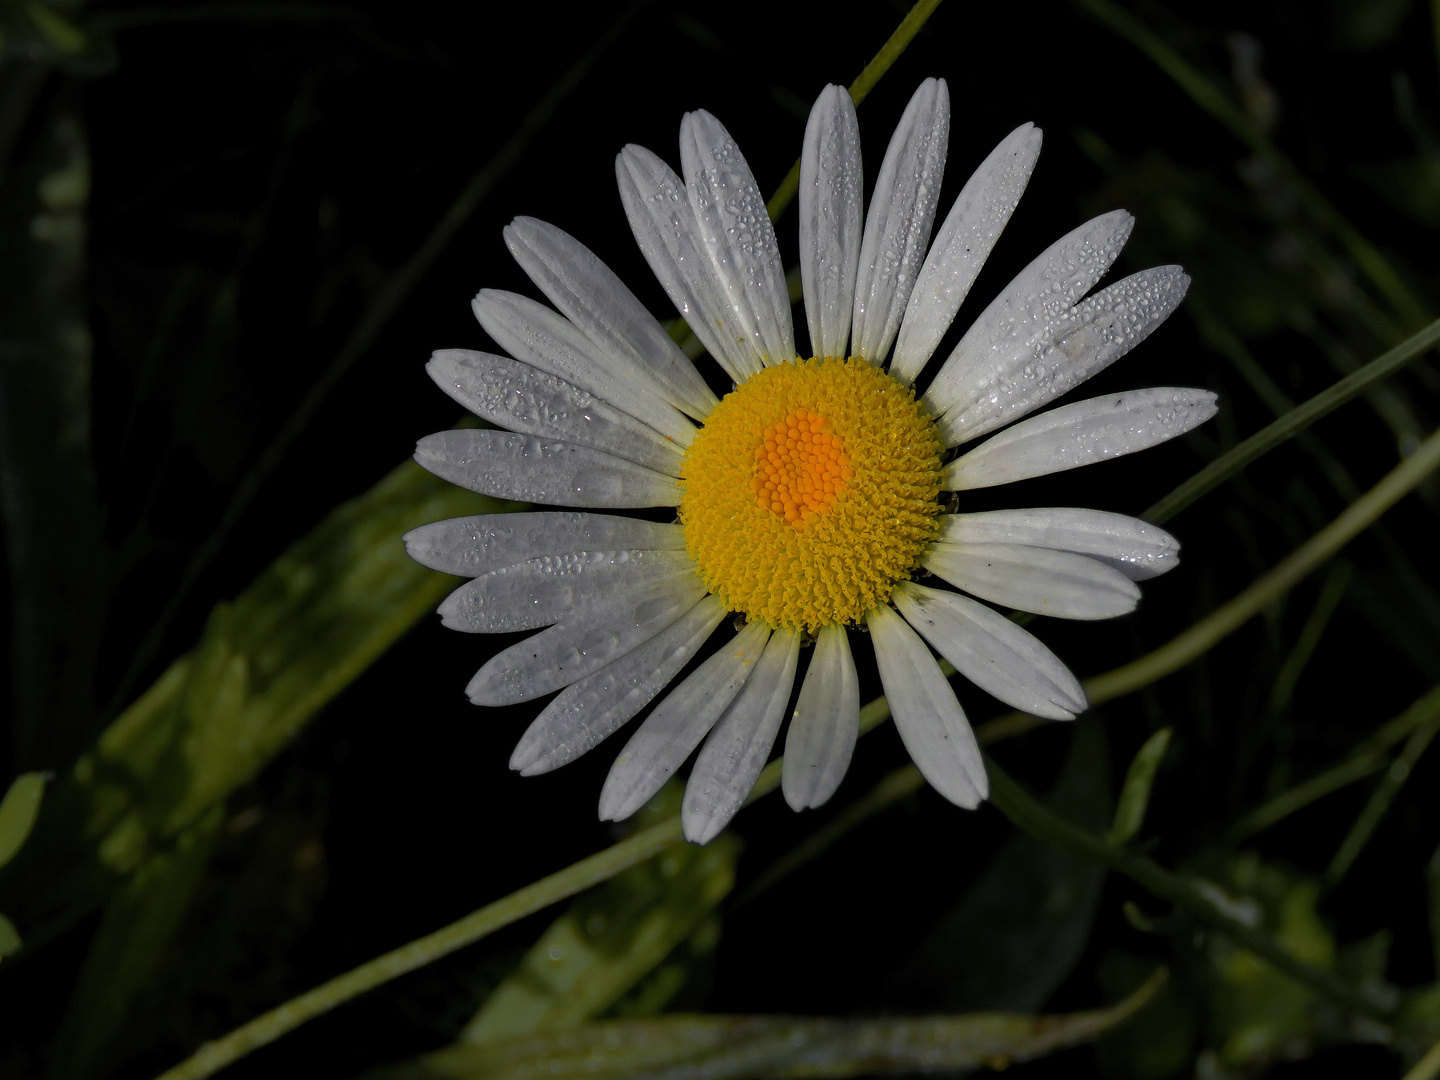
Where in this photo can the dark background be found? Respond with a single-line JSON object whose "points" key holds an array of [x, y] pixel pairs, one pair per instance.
{"points": [[260, 173]]}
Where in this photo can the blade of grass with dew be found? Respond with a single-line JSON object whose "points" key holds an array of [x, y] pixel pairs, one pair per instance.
{"points": [[676, 1047]]}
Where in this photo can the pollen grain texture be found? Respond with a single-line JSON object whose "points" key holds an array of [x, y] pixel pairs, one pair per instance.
{"points": [[810, 492]]}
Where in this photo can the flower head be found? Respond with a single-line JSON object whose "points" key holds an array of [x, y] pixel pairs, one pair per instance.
{"points": [[808, 496]]}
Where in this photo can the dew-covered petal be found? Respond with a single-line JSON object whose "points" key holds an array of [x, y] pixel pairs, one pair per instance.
{"points": [[582, 644], [735, 231], [831, 190], [594, 708], [658, 207], [1081, 433], [824, 725], [1136, 548], [471, 546], [1065, 352], [537, 336], [1001, 658], [527, 469], [736, 751], [1041, 294], [545, 589], [678, 723], [1046, 582], [902, 213], [927, 714], [964, 242], [591, 296], [522, 398]]}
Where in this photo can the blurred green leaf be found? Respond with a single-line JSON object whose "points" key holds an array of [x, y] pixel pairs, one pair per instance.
{"points": [[775, 1046], [18, 813], [138, 925], [1020, 928], [9, 937], [266, 663], [1260, 1014], [610, 938], [1135, 795]]}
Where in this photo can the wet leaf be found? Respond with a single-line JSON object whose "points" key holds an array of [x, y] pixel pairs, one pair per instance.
{"points": [[1019, 930], [712, 1047], [610, 938]]}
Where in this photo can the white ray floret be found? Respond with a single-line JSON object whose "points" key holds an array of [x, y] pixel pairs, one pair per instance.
{"points": [[825, 723], [971, 229], [546, 340], [582, 644], [589, 294], [546, 589], [733, 755], [521, 398], [902, 213], [1080, 434], [1136, 548], [1065, 352], [594, 708], [1004, 660], [832, 181], [528, 469], [472, 546], [1041, 293], [736, 232], [675, 728], [929, 718], [1035, 579], [658, 208]]}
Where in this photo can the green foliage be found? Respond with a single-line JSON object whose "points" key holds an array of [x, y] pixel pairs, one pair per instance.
{"points": [[1135, 794]]}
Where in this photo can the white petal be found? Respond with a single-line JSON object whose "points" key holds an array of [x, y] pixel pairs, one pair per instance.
{"points": [[831, 189], [736, 751], [1065, 352], [544, 590], [534, 334], [658, 207], [825, 723], [592, 709], [1034, 579], [964, 242], [1001, 658], [582, 644], [1042, 293], [927, 715], [736, 232], [527, 469], [1136, 548], [522, 398], [471, 546], [678, 723], [591, 296], [902, 213], [1081, 433]]}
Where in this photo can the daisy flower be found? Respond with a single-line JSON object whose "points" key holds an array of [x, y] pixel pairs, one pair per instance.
{"points": [[809, 496]]}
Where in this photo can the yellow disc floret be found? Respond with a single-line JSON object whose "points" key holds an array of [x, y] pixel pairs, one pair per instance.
{"points": [[810, 491]]}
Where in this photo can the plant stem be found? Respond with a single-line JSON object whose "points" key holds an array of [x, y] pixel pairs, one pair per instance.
{"points": [[1292, 423], [603, 865], [1201, 637], [1030, 816]]}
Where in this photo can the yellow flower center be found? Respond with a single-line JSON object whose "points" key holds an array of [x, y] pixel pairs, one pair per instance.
{"points": [[810, 492]]}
